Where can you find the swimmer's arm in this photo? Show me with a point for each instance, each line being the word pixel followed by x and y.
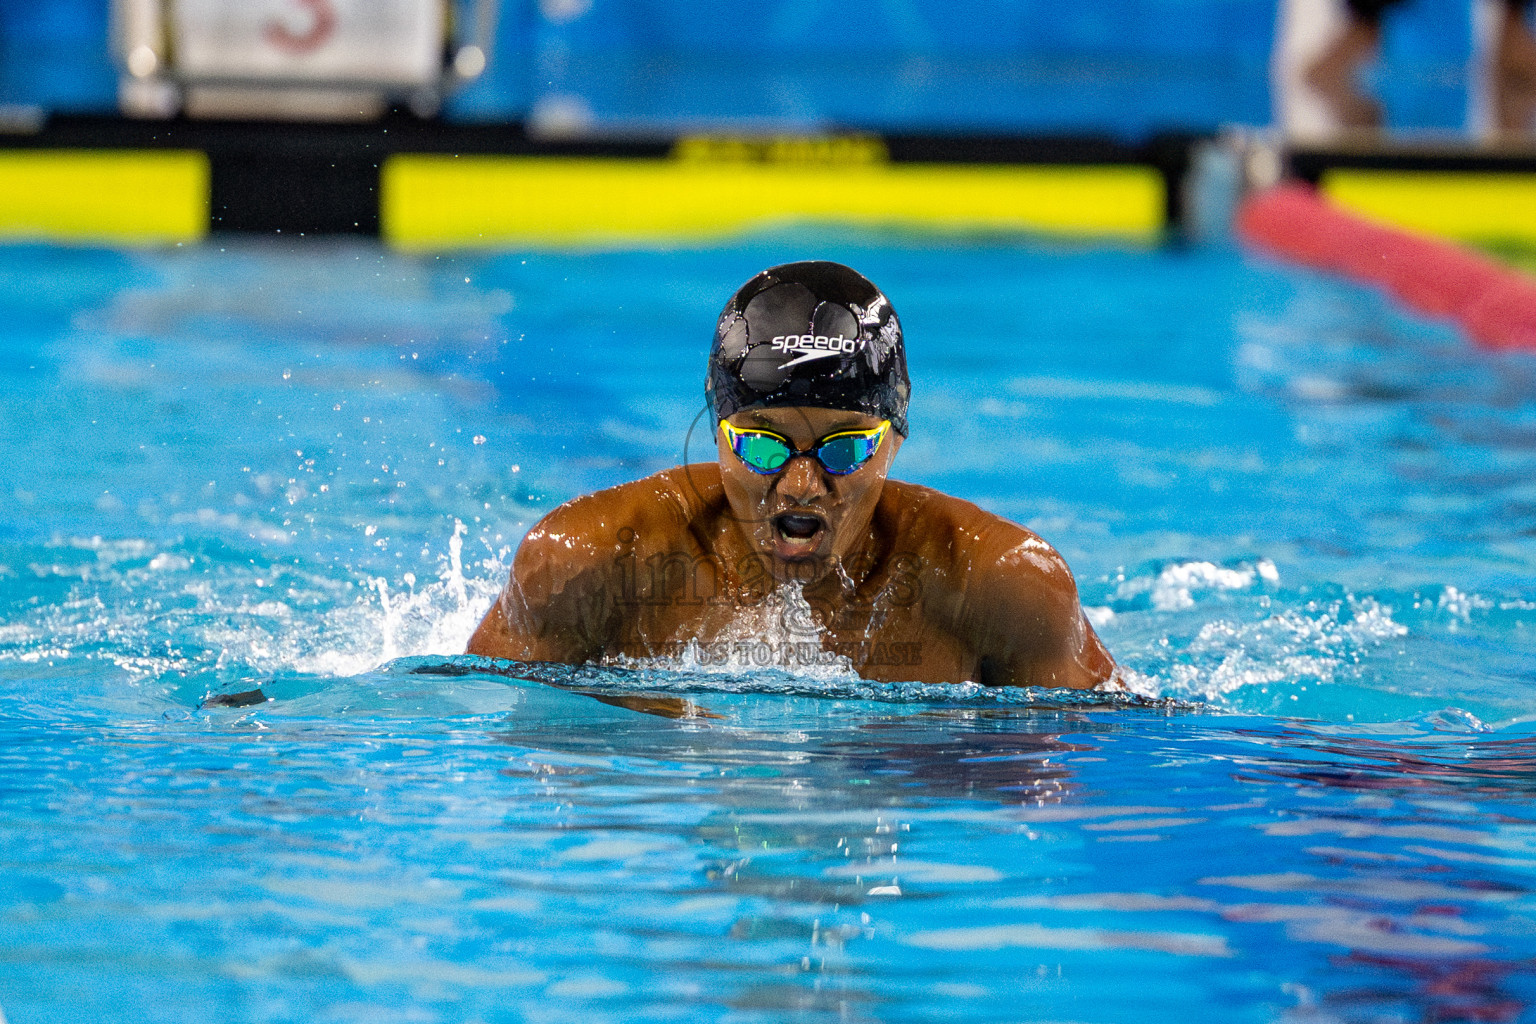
pixel 1029 623
pixel 555 607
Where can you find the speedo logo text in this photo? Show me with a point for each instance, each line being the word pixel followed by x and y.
pixel 815 346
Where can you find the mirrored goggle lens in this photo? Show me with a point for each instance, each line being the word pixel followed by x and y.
pixel 842 455
pixel 761 452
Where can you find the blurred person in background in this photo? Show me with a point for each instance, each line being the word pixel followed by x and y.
pixel 1335 71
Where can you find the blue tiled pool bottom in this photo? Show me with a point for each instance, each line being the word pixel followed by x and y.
pixel 1301 520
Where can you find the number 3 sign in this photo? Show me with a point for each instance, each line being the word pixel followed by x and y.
pixel 333 42
pixel 322 24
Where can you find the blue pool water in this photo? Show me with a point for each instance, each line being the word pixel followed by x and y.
pixel 1302 520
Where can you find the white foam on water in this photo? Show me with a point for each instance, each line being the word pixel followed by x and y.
pixel 1319 644
pixel 1460 606
pixel 1138 684
pixel 1099 616
pixel 1175 586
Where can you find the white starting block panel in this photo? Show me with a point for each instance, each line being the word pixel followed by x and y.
pixel 304 42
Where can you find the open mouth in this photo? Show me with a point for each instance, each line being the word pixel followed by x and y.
pixel 798 527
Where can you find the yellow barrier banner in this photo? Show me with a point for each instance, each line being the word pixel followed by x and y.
pixel 444 201
pixel 134 197
pixel 1463 205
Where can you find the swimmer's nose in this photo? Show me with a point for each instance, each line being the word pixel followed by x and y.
pixel 801 481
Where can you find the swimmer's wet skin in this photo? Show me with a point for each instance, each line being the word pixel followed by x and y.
pixel 808 390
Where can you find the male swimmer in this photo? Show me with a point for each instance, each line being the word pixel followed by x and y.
pixel 807 389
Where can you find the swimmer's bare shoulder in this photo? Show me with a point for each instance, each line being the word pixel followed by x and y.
pixel 1002 589
pixel 560 602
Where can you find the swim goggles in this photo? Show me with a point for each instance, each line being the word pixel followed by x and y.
pixel 839 454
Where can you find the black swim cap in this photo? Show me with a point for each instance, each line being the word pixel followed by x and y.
pixel 815 334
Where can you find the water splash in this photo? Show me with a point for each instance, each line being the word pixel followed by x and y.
pixel 781 632
pixel 175 613
pixel 1460 606
pixel 391 620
